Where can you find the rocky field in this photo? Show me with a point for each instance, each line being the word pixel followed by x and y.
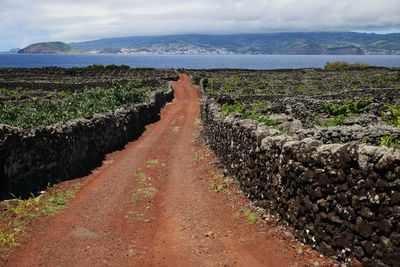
pixel 44 96
pixel 320 149
pixel 331 106
pixel 57 124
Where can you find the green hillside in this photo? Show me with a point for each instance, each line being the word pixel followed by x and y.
pixel 49 48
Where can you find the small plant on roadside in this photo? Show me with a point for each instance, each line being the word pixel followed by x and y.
pixel 15 217
pixel 251 217
pixel 56 202
pixel 219 184
pixel 8 239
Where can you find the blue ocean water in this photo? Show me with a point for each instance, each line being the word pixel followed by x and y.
pixel 192 61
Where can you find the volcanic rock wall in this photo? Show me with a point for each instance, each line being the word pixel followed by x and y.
pixel 344 199
pixel 35 157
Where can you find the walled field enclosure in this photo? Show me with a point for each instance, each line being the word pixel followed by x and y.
pixel 59 123
pixel 319 148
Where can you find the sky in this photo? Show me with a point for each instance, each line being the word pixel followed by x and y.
pixel 23 22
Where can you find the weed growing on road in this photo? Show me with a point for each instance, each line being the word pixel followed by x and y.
pixel 152 162
pixel 142 176
pixel 146 192
pixel 56 202
pixel 149 192
pixel 251 217
pixel 137 216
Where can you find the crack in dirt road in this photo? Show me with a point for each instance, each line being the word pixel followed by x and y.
pixel 151 205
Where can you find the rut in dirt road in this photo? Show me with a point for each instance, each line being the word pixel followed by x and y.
pixel 149 205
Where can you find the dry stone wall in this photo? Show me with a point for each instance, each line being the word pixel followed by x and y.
pixel 344 199
pixel 32 158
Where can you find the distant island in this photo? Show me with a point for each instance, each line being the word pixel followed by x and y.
pixel 49 48
pixel 310 43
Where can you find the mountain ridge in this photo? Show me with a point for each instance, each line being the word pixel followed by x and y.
pixel 336 43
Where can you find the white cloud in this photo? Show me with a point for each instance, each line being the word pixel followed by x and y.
pixel 75 20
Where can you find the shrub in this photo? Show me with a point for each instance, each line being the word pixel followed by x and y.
pixel 393 118
pixel 388 141
pixel 238 107
pixel 349 108
pixel 337 65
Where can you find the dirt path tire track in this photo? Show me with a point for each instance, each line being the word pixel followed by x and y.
pixel 103 226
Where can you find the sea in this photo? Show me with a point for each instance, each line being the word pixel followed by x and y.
pixel 192 61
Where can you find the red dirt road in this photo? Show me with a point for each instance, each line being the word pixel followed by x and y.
pixel 151 204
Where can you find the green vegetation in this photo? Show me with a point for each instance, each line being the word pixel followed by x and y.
pixel 56 202
pixel 344 65
pixel 349 108
pixel 226 85
pixel 109 66
pixel 137 216
pixel 14 218
pixel 340 112
pixel 16 93
pixel 219 184
pixel 152 162
pixel 251 217
pixel 49 47
pixel 142 176
pixel 240 108
pixel 336 121
pixel 148 190
pixel 38 112
pixel 394 117
pixel 388 141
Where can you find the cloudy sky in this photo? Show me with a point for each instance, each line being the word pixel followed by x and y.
pixel 23 22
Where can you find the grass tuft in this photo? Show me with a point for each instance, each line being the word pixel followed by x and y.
pixel 251 217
